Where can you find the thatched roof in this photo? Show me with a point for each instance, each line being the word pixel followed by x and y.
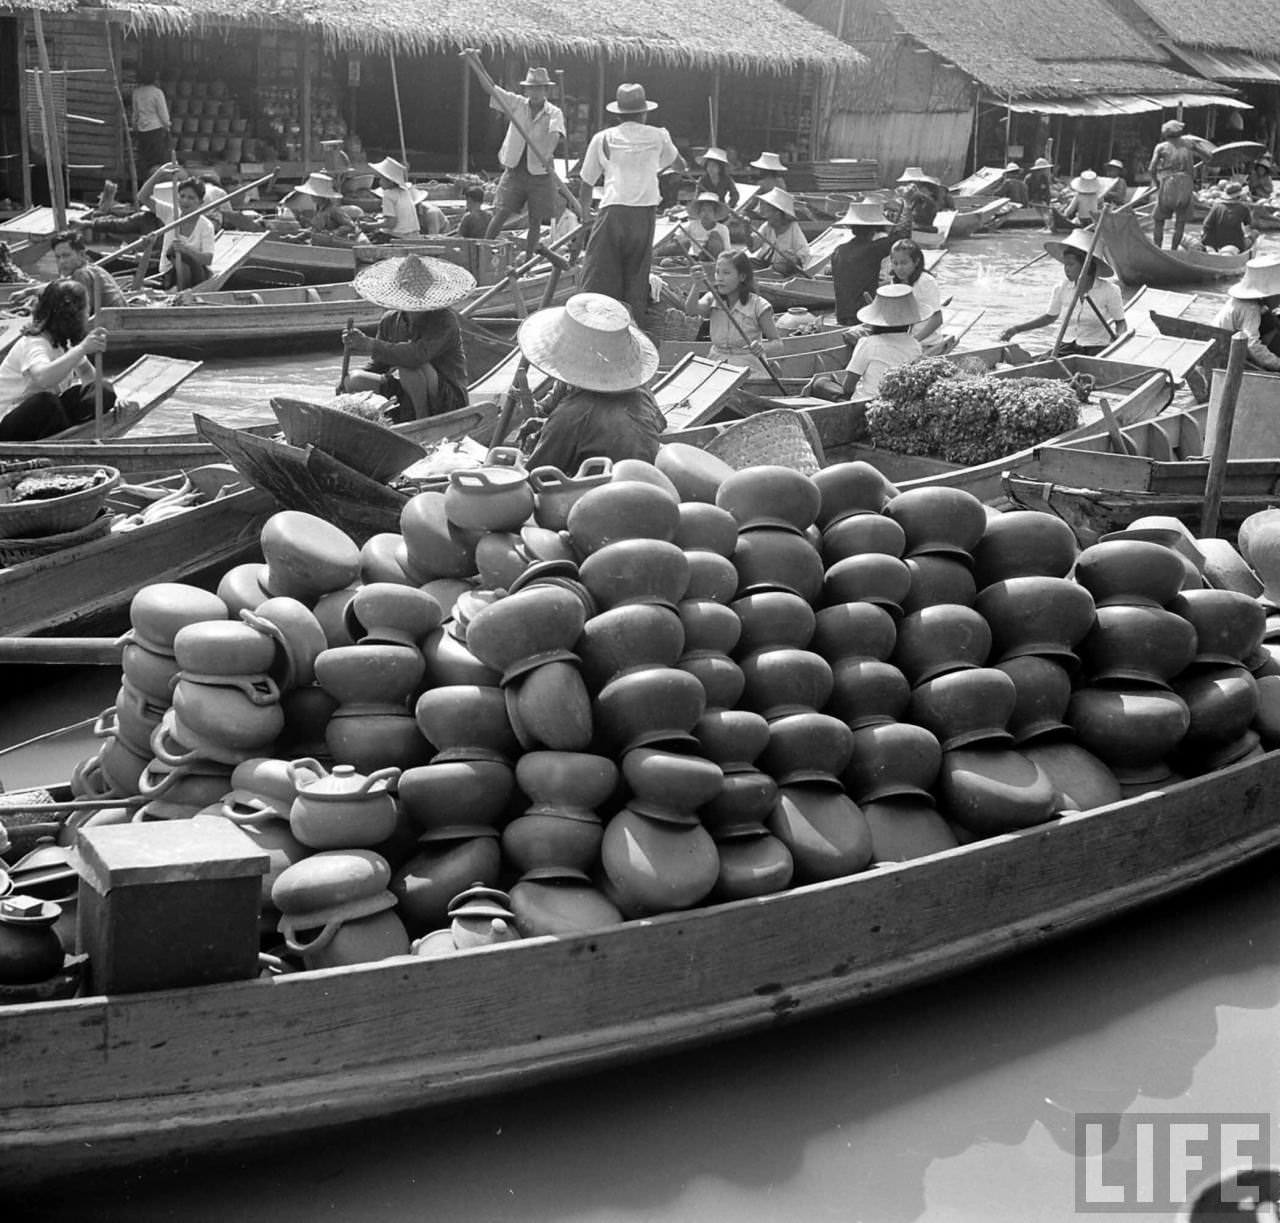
pixel 1237 25
pixel 1041 48
pixel 752 35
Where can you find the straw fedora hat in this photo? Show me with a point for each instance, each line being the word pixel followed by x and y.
pixel 1086 183
pixel 589 342
pixel 319 185
pixel 714 154
pixel 630 100
pixel 771 163
pixel 536 76
pixel 894 306
pixel 1261 279
pixel 1172 127
pixel 914 174
pixel 1114 162
pixel 709 197
pixel 1234 188
pixel 1042 163
pixel 393 170
pixel 1012 168
pixel 1078 240
pixel 782 200
pixel 863 216
pixel 414 283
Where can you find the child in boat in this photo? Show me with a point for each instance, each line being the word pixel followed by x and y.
pixel 715 177
pixel 399 199
pixel 888 344
pixel 782 246
pixel 735 299
pixel 906 267
pixel 1082 211
pixel 1226 226
pixel 187 251
pixel 1250 307
pixel 417 357
pixel 1118 192
pixel 706 236
pixel 1098 317
pixel 475 221
pixel 47 377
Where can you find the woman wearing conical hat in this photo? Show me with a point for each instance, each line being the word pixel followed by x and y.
pixel 1086 189
pixel 1250 307
pixel 888 321
pixel 399 199
pixel 416 359
pixel 323 200
pixel 716 177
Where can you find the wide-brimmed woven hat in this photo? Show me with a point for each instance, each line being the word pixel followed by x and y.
pixel 589 342
pixel 1012 167
pixel 1086 183
pixel 714 154
pixel 536 76
pixel 319 185
pixel 630 100
pixel 863 216
pixel 1078 240
pixel 1172 127
pixel 393 170
pixel 782 200
pixel 894 306
pixel 709 197
pixel 1234 188
pixel 1261 279
pixel 771 163
pixel 1042 163
pixel 914 174
pixel 1116 162
pixel 414 283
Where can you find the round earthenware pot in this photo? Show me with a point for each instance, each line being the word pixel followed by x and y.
pixel 298 635
pixel 379 559
pixel 903 828
pixel 706 528
pixel 555 493
pixel 383 613
pixel 757 865
pixel 891 760
pixel 236 713
pixel 549 707
pixel 629 638
pixel 861 533
pixel 938 579
pixel 559 902
pixel 500 560
pixel 1044 616
pixel 668 786
pixel 160 609
pixel 709 627
pixel 1043 693
pixel 659 705
pixel 307 556
pixel 30 950
pixel 269 830
pixel 786 681
pixel 966 708
pixel 525 630
pixel 654 865
pixel 466 722
pixel 938 519
pixel 241 588
pixel 773 619
pixel 458 796
pixel 636 571
pixel 1131 729
pixel 1222 701
pixel 740 809
pixel 824 830
pixel 1259 543
pixel 367 674
pixel 307 711
pixel 1267 720
pixel 696 473
pixel 637 471
pixel 1134 572
pixel 330 612
pixel 371 737
pixel 711 576
pixel 123 765
pixel 854 630
pixel 1229 625
pixel 223 647
pixel 851 488
pixel 1023 544
pixel 446 866
pixel 189 785
pixel 549 839
pixel 433 546
pixel 991 790
pixel 151 673
pixel 770 496
pixel 721 678
pixel 1137 644
pixel 937 640
pixel 132 718
pixel 566 783
pixel 773 559
pixel 1081 780
pixel 347 940
pixel 335 881
pixel 733 738
pixel 448 663
pixel 622 509
pixel 342 808
pixel 870 577
pixel 866 691
pixel 488 498
pixel 806 747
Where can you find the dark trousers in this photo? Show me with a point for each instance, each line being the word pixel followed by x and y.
pixel 154 149
pixel 618 255
pixel 46 413
pixel 135 223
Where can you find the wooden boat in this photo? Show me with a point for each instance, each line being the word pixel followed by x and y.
pixel 970 220
pixel 1138 261
pixel 317 264
pixel 100 1082
pixel 87 584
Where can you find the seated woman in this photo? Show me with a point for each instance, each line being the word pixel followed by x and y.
pixel 187 252
pixel 599 406
pixel 703 234
pixel 327 221
pixel 736 301
pixel 47 378
pixel 417 358
pixel 1226 227
pixel 1082 210
pixel 890 343
pixel 906 267
pixel 716 177
pixel 783 249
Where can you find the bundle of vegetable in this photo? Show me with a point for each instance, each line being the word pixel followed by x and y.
pixel 931 408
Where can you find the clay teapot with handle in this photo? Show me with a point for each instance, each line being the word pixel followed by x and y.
pixel 341 809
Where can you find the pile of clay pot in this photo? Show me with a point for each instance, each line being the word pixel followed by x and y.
pixel 549 704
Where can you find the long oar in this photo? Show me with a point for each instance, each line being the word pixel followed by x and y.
pixel 98 377
pixel 1078 287
pixel 346 360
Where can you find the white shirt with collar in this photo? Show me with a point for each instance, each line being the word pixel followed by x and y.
pixel 629 157
pixel 546 128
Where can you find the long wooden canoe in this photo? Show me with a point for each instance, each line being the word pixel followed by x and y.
pixel 107 1081
pixel 1138 261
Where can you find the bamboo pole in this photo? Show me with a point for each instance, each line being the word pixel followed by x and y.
pixel 1079 285
pixel 131 164
pixel 395 92
pixel 464 122
pixel 304 71
pixel 48 126
pixel 97 373
pixel 599 123
pixel 1217 477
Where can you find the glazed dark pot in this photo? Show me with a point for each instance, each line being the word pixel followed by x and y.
pixel 629 638
pixel 733 738
pixel 460 797
pixel 938 579
pixel 566 783
pixel 706 528
pixel 1043 693
pixel 770 497
pixel 937 519
pixel 743 804
pixel 696 473
pixel 966 708
pixel 759 865
pixel 636 571
pixel 1135 572
pixel 824 830
pixel 375 740
pixel 721 678
pixel 709 626
pixel 382 612
pixel 466 722
pixel 892 760
pixel 1137 644
pixel 668 786
pixel 549 707
pixel 937 640
pixel 1081 780
pixel 560 902
pixel 1223 702
pixel 1131 730
pixel 773 559
pixel 424 886
pixel 903 828
pixel 854 630
pixel 622 509
pixel 865 692
pixel 871 577
pixel 806 747
pixel 449 662
pixel 1023 544
pixel 851 488
pixel 711 576
pixel 992 790
pixel 773 619
pixel 526 630
pixel 659 705
pixel 1229 626
pixel 860 533
pixel 364 674
pixel 781 682
pixel 655 865
pixel 1043 616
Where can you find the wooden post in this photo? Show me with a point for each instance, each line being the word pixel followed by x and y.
pixel 599 123
pixel 130 164
pixel 395 91
pixel 972 167
pixel 464 122
pixel 1216 479
pixel 304 69
pixel 1008 127
pixel 24 137
pixel 48 127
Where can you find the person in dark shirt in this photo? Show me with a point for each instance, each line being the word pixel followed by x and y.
pixel 856 264
pixel 416 358
pixel 1039 182
pixel 716 177
pixel 600 406
pixel 1011 187
pixel 475 221
pixel 1227 223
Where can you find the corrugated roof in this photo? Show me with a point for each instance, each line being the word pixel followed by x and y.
pixel 1104 105
pixel 1230 65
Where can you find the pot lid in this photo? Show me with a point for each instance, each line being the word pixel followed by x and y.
pixel 343 782
pixel 19 910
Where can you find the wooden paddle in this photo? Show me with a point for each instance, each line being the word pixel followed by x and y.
pixel 98 377
pixel 1215 481
pixel 1119 442
pixel 346 359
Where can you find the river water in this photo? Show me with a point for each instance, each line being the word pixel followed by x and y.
pixel 952 1104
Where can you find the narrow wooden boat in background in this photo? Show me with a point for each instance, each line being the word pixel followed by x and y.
pixel 1138 261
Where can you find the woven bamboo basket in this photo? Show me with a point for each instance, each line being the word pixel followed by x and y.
pixel 781 437
pixel 371 448
pixel 674 325
pixel 35 519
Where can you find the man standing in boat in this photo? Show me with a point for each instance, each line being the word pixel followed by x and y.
pixel 1172 169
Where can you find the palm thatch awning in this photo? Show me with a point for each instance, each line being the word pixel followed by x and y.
pixel 1241 25
pixel 741 35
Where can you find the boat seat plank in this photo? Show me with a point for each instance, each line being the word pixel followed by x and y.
pixel 1178 356
pixel 230 249
pixel 147 383
pixel 695 390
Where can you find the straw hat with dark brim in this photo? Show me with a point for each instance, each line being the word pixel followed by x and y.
pixel 1012 168
pixel 589 342
pixel 709 197
pixel 782 200
pixel 714 154
pixel 1086 183
pixel 414 283
pixel 1261 279
pixel 320 186
pixel 914 174
pixel 1114 163
pixel 894 306
pixel 392 170
pixel 863 216
pixel 1042 163
pixel 770 163
pixel 630 100
pixel 1078 240
pixel 536 76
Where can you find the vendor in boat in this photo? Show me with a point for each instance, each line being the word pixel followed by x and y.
pixel 1117 193
pixel 1086 189
pixel 1172 169
pixel 856 265
pixel 599 406
pixel 716 179
pixel 781 247
pixel 1039 182
pixel 1098 317
pixel 906 267
pixel 72 258
pixel 157 189
pixel 887 345
pixel 703 235
pixel 399 199
pixel 1011 186
pixel 328 219
pixel 475 220
pixel 47 381
pixel 922 197
pixel 771 173
pixel 187 251
pixel 1250 307
pixel 1228 222
pixel 416 358
pixel 1260 184
pixel 735 300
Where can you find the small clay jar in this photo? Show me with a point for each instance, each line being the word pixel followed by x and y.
pixel 937 640
pixel 941 520
pixel 636 571
pixel 30 950
pixel 774 559
pixel 433 547
pixel 823 829
pixel 806 747
pixel 1081 780
pixel 160 609
pixel 938 579
pixel 891 760
pixel 866 692
pixel 904 828
pixel 849 489
pixel 382 613
pixel 466 722
pixel 659 705
pixel 1043 616
pixel 966 708
pixel 653 864
pixel 448 663
pixel 236 713
pixel 991 790
pixel 773 619
pixel 549 707
pixel 860 533
pixel 555 493
pixel 222 648
pixel 341 809
pixel 241 588
pixel 379 559
pixel 630 638
pixel 457 796
pixel 307 556
pixel 711 576
pixel 1134 572
pixel 150 672
pixel 695 473
pixel 871 577
pixel 558 901
pixel 299 636
pixel 622 509
pixel 526 630
pixel 372 737
pixel 767 496
pixel 1023 544
pixel 381 674
pixel 1222 702
pixel 445 866
pixel 1043 693
pixel 758 865
pixel 854 630
pixel 489 498
pixel 1137 643
pixel 1131 730
pixel 1229 626
pixel 706 528
pixel 785 681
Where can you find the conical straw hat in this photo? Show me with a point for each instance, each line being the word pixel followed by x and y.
pixel 391 169
pixel 1079 240
pixel 782 200
pixel 319 185
pixel 589 342
pixel 414 283
pixel 709 197
pixel 914 174
pixel 1261 279
pixel 769 162
pixel 894 306
pixel 1087 183
pixel 715 154
pixel 864 216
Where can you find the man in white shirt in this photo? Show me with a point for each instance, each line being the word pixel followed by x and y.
pixel 151 122
pixel 628 158
pixel 1250 307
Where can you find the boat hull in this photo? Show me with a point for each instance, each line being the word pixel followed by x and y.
pixel 1138 261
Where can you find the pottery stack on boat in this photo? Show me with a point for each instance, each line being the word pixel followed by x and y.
pixel 478 917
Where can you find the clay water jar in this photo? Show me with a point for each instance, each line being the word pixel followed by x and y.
pixel 1137 644
pixel 458 797
pixel 937 519
pixel 709 628
pixel 559 902
pixel 370 737
pixel 560 826
pixel 938 579
pixel 636 571
pixel 806 747
pixel 991 790
pixel 466 722
pixel 151 673
pixel 379 559
pixel 488 498
pixel 1081 780
pixel 307 556
pixel 299 638
pixel 383 613
pixel 160 609
pixel 449 663
pixel 854 630
pixel 48 873
pixel 721 678
pixel 193 785
pixel 904 828
pixel 555 493
pixel 237 713
pixel 773 619
pixel 1133 572
pixel 1043 694
pixel 500 560
pixel 30 950
pixel 773 559
pixel 891 760
pixel 622 509
pixel 657 705
pixel 123 765
pixel 781 682
pixel 1222 702
pixel 630 638
pixel 341 809
pixel 1023 544
pixel 696 473
pixel 941 639
pixel 1267 720
pixel 860 533
pixel 871 577
pixel 330 612
pixel 1131 730
pixel 549 707
pixel 656 865
pixel 732 738
pixel 241 588
pixel 758 865
pixel 823 829
pixel 711 576
pixel 1229 626
pixel 133 718
pixel 770 496
pixel 740 809
pixel 668 786
pixel 446 866
pixel 966 709
pixel 638 471
pixel 526 630
pixel 850 488
pixel 222 648
pixel 433 547
pixel 1043 616
pixel 865 692
pixel 174 743
pixel 383 675
pixel 702 527
pixel 1260 533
